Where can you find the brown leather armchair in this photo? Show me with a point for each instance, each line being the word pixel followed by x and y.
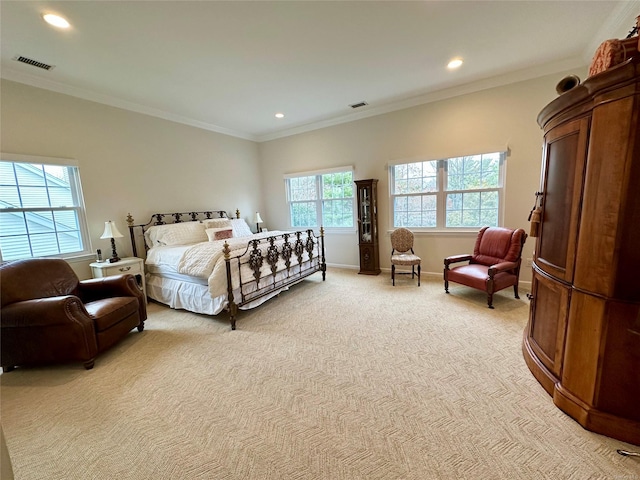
pixel 49 316
pixel 494 264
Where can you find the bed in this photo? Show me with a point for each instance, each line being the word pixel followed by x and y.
pixel 207 262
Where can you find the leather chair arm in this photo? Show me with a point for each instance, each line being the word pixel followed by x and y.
pixel 457 258
pixel 45 312
pixel 501 267
pixel 124 285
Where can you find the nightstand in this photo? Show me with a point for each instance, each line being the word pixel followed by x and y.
pixel 132 265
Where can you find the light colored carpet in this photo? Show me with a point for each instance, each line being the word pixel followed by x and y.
pixel 367 381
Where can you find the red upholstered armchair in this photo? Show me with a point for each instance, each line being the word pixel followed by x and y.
pixel 494 264
pixel 49 316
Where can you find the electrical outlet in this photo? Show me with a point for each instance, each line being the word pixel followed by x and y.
pixel 528 262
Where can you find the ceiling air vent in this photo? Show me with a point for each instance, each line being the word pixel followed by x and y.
pixel 358 105
pixel 34 63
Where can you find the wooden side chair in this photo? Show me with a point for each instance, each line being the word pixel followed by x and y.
pixel 402 253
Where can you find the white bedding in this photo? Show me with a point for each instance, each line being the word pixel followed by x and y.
pixel 182 294
pixel 204 262
pixel 166 258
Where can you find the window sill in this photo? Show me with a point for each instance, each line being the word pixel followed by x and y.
pixel 81 258
pixel 442 233
pixel 340 231
pixel 327 230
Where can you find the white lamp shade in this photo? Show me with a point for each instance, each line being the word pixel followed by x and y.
pixel 110 230
pixel 258 218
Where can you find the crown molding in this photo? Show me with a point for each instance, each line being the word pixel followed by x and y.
pixel 34 81
pixel 616 25
pixel 370 111
pixel 471 87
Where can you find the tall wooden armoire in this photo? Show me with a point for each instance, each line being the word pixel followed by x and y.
pixel 582 341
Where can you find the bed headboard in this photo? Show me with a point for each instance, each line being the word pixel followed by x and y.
pixel 167 218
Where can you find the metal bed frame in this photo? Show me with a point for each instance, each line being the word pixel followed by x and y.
pixel 302 253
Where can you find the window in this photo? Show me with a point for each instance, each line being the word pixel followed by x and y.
pixel 321 198
pixel 460 192
pixel 41 211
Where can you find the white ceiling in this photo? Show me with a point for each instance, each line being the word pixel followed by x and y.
pixel 230 66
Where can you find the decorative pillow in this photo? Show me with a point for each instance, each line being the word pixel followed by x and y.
pixel 240 227
pixel 183 233
pixel 219 233
pixel 217 223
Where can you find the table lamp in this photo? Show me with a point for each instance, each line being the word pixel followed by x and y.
pixel 258 221
pixel 111 231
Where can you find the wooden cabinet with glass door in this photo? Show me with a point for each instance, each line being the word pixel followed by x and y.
pixel 367 195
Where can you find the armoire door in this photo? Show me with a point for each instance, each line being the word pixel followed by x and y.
pixel 563 171
pixel 548 321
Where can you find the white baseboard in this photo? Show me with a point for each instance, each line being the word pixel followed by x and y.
pixel 523 284
pixel 346 267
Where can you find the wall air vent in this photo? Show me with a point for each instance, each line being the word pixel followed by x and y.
pixel 358 105
pixel 34 63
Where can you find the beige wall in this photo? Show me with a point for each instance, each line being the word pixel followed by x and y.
pixel 130 162
pixel 466 124
pixel 140 164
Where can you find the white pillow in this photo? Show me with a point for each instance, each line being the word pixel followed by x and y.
pixel 182 233
pixel 217 223
pixel 219 233
pixel 240 227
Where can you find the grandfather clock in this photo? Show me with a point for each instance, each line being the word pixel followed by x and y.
pixel 367 195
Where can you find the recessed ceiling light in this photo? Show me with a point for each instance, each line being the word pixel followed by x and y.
pixel 279 115
pixel 55 20
pixel 455 63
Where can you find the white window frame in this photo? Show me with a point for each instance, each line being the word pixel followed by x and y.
pixel 441 191
pixel 319 200
pixel 78 207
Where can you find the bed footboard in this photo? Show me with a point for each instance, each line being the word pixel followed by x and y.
pixel 271 264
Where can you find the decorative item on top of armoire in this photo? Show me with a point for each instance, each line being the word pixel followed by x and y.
pixel 567 83
pixel 613 52
pixel 367 195
pixel 582 341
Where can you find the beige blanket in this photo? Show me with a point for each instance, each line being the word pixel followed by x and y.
pixel 206 260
